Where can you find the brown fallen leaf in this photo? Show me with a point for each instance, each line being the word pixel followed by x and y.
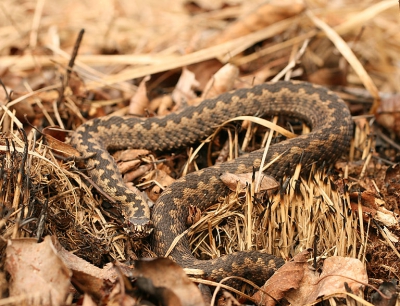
pixel 139 102
pixel 204 71
pixel 128 166
pixel 336 271
pixel 129 154
pixel 183 91
pixel 141 170
pixel 37 271
pixel 166 281
pixel 300 285
pixel 86 277
pixel 222 81
pixel 239 182
pixel 93 281
pixel 287 277
pixel 60 147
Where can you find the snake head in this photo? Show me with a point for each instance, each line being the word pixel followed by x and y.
pixel 138 228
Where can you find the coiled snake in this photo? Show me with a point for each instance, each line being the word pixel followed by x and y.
pixel 326 114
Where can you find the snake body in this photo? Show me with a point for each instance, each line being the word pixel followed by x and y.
pixel 326 114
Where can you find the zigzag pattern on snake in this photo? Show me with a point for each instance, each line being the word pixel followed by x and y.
pixel 326 114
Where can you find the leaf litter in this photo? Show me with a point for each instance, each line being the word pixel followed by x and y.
pixel 349 216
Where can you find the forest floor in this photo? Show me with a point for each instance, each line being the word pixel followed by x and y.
pixel 62 242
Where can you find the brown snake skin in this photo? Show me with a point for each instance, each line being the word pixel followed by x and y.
pixel 326 114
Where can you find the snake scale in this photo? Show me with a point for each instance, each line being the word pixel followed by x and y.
pixel 326 114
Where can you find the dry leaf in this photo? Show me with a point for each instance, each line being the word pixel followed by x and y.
pixel 139 102
pixel 287 277
pixel 336 271
pixel 86 277
pixel 37 271
pixel 184 88
pixel 127 155
pixel 204 71
pixel 128 166
pixel 132 175
pixel 221 82
pixel 60 147
pixel 239 182
pixel 165 280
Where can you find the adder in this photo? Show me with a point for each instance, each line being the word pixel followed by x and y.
pixel 326 114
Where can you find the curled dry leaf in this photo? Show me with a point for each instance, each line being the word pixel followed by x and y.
pixel 239 182
pixel 37 271
pixel 139 102
pixel 221 82
pixel 167 282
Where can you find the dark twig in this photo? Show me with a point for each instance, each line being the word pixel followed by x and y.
pixel 74 53
pixel 64 81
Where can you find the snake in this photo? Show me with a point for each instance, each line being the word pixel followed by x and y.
pixel 322 110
